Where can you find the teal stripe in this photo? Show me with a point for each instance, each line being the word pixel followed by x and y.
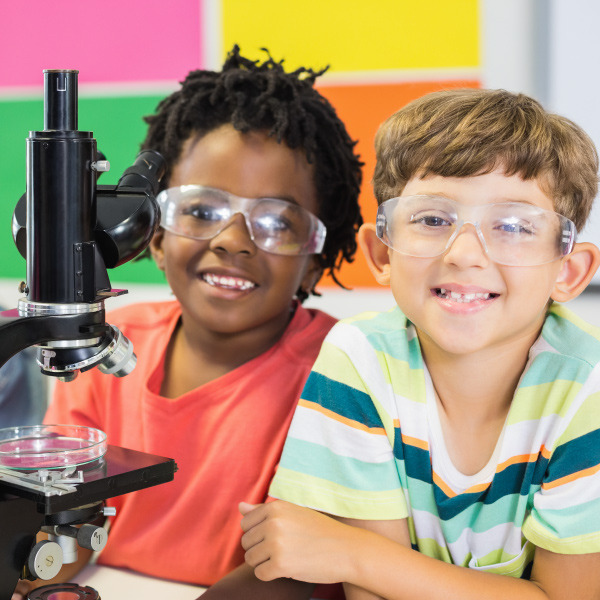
pixel 576 455
pixel 341 399
pixel 548 367
pixel 318 461
pixel 509 509
pixel 387 333
pixel 578 519
pixel 570 339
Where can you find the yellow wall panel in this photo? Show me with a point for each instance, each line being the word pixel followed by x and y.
pixel 356 35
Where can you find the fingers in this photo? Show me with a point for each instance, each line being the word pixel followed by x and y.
pixel 21 591
pixel 252 537
pixel 256 514
pixel 246 507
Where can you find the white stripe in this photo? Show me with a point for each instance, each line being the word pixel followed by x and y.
pixel 312 426
pixel 96 90
pixel 211 32
pixel 353 342
pixel 528 437
pixel 387 76
pixel 572 493
pixel 504 535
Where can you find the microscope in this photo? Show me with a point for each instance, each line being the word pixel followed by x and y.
pixel 70 231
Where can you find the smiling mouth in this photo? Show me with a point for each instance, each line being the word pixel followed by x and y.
pixel 464 298
pixel 227 282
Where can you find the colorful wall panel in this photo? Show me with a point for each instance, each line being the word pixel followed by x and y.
pixel 131 54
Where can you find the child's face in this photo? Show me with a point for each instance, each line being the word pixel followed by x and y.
pixel 485 304
pixel 227 284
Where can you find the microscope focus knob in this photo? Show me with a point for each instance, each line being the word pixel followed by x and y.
pixel 92 537
pixel 45 560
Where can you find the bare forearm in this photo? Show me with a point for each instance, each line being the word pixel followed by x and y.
pixel 395 572
pixel 242 584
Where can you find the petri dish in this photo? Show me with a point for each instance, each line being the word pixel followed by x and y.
pixel 50 446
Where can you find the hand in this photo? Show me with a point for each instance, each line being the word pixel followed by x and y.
pixel 23 588
pixel 285 540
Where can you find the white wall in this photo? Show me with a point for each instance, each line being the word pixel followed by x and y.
pixel 337 302
pixel 573 82
pixel 550 50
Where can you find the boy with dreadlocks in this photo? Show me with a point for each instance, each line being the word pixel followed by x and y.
pixel 260 197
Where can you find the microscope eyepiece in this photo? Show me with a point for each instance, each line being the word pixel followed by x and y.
pixel 60 100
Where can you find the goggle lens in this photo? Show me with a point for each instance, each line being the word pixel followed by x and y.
pixel 511 233
pixel 275 225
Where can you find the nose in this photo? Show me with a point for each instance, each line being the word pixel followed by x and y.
pixel 234 238
pixel 467 248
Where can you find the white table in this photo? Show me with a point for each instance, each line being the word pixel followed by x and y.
pixel 120 584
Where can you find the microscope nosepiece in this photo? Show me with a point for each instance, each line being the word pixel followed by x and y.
pixel 121 360
pixel 112 354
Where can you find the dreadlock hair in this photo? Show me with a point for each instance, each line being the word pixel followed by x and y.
pixel 254 96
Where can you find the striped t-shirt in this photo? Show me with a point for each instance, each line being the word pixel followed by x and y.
pixel 366 443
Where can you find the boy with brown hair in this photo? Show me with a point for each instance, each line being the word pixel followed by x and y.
pixel 455 438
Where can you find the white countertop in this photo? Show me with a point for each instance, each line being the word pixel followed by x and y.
pixel 120 584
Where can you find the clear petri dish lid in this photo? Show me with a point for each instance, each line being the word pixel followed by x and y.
pixel 50 446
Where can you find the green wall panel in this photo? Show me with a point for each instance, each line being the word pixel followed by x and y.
pixel 117 125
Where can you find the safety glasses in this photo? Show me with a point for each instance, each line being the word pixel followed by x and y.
pixel 511 233
pixel 275 225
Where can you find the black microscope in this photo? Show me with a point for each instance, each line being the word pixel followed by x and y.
pixel 70 230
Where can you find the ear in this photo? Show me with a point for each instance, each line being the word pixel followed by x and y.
pixel 311 276
pixel 576 272
pixel 156 248
pixel 376 253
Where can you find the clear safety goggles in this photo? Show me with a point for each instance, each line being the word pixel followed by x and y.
pixel 511 233
pixel 274 225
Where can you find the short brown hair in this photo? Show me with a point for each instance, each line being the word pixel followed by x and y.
pixel 466 132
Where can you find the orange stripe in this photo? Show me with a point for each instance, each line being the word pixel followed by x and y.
pixel 476 489
pixel 344 420
pixel 522 458
pixel 442 485
pixel 573 477
pixel 413 441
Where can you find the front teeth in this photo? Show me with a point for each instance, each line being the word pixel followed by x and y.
pixel 456 297
pixel 232 283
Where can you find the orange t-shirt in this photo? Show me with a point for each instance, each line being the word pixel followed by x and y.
pixel 225 436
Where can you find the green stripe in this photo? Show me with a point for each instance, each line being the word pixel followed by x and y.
pixel 541 536
pixel 571 335
pixel 431 548
pixel 536 401
pixel 495 562
pixel 406 381
pixel 584 422
pixel 335 499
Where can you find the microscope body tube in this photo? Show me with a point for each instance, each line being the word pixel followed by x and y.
pixel 61 209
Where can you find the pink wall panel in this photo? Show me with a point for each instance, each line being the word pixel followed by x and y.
pixel 107 41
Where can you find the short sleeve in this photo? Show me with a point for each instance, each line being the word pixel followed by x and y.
pixel 565 516
pixel 338 457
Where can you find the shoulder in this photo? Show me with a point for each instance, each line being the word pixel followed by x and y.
pixel 568 335
pixel 387 332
